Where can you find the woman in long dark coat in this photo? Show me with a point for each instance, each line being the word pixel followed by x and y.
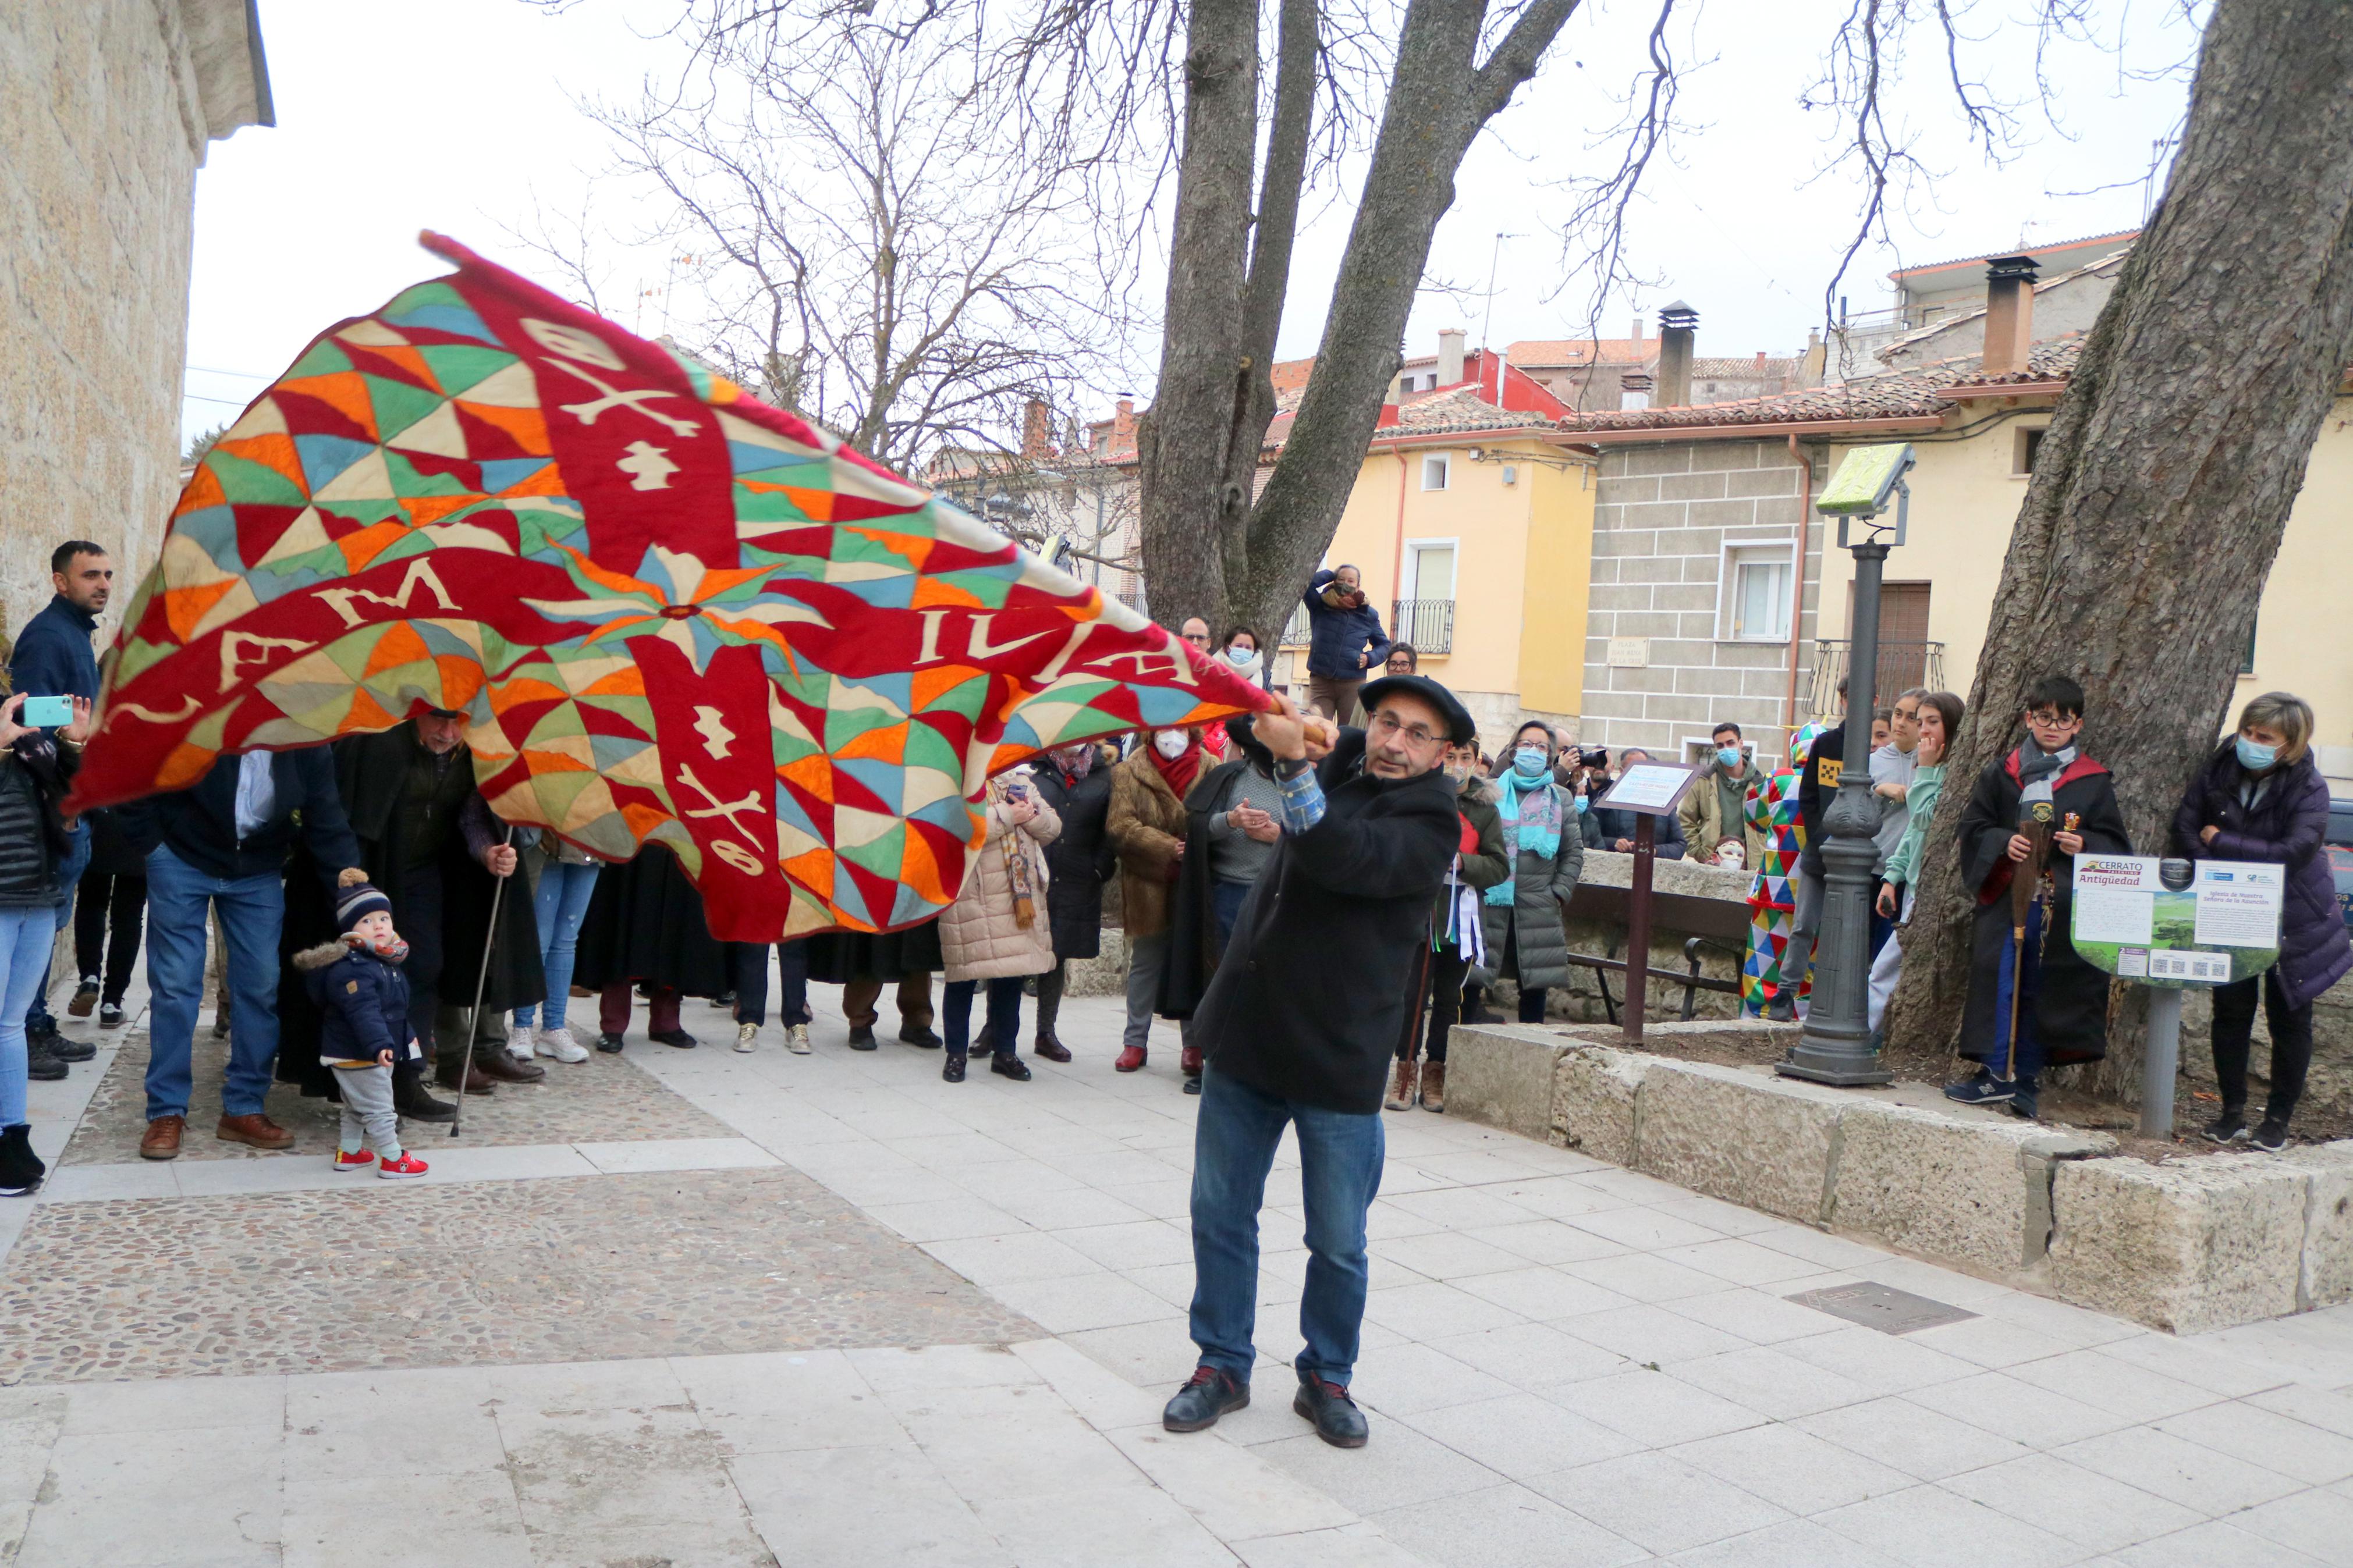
pixel 645 923
pixel 2262 798
pixel 1077 863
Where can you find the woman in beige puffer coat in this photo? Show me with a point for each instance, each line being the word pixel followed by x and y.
pixel 997 931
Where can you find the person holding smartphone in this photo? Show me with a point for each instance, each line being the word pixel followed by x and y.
pixel 35 767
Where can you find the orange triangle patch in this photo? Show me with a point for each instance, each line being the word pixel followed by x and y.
pixel 627 681
pixel 187 765
pixel 887 744
pixel 920 869
pixel 528 426
pixel 342 391
pixel 184 608
pixel 933 591
pixel 930 684
pixel 460 679
pixel 369 542
pixel 274 451
pixel 643 819
pixel 203 490
pixel 426 510
pixel 813 871
pixel 513 693
pixel 399 644
pixel 554 763
pixel 366 716
pixel 813 773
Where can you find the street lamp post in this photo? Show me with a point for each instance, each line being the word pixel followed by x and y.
pixel 1836 1048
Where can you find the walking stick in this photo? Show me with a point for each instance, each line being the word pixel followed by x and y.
pixel 481 977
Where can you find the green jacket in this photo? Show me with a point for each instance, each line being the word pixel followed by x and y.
pixel 1701 816
pixel 1904 866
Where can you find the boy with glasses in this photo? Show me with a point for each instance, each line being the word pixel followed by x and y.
pixel 2058 1002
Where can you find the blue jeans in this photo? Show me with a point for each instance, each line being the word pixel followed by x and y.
pixel 750 972
pixel 25 938
pixel 36 1012
pixel 252 914
pixel 560 904
pixel 1004 1015
pixel 1234 1139
pixel 1226 906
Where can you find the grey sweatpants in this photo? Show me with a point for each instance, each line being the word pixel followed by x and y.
pixel 368 1119
pixel 1146 957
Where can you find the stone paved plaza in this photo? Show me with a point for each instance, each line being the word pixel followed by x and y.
pixel 692 1308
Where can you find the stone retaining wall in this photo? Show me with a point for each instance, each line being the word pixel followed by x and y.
pixel 2197 1243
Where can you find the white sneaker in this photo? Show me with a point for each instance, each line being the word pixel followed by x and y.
pixel 559 1044
pixel 519 1042
pixel 747 1035
pixel 796 1039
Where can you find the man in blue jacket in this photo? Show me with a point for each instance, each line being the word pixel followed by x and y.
pixel 1344 641
pixel 54 658
pixel 224 843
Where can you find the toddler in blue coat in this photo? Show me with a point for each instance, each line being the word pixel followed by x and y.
pixel 363 1001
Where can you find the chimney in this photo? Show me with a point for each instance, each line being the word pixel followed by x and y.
pixel 1634 389
pixel 1036 438
pixel 1637 327
pixel 2010 314
pixel 1678 325
pixel 1812 368
pixel 1123 428
pixel 1449 357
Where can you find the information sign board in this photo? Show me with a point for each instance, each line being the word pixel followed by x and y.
pixel 2177 923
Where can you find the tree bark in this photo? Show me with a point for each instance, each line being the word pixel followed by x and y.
pixel 1211 548
pixel 2162 488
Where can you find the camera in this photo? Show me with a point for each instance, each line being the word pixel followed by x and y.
pixel 1593 756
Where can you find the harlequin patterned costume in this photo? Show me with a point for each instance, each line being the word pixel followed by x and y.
pixel 1771 808
pixel 667 611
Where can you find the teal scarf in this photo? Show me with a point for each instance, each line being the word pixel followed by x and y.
pixel 1531 812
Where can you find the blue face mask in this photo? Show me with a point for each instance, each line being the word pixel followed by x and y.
pixel 1729 756
pixel 1528 762
pixel 2255 756
pixel 1582 803
pixel 1240 656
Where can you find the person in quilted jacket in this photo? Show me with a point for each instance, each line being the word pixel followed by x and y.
pixel 998 930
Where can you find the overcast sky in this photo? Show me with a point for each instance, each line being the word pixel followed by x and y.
pixel 397 115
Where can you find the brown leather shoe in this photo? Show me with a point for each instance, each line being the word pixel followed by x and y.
pixel 1401 1086
pixel 1048 1048
pixel 256 1130
pixel 501 1065
pixel 1433 1086
pixel 162 1139
pixel 446 1072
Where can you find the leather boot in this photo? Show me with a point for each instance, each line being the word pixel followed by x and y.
pixel 1401 1086
pixel 1433 1086
pixel 449 1068
pixel 410 1100
pixel 495 1062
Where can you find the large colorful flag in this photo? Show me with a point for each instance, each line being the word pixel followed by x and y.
pixel 668 611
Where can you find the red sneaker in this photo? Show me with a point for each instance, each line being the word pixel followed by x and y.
pixel 353 1159
pixel 1130 1060
pixel 408 1166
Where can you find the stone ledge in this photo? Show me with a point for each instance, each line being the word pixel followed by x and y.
pixel 2189 1245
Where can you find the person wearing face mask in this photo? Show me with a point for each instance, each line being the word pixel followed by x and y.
pixel 1344 641
pixel 1233 821
pixel 1713 808
pixel 1078 863
pixel 1543 847
pixel 1458 933
pixel 2260 797
pixel 1146 825
pixel 1606 828
pixel 1239 648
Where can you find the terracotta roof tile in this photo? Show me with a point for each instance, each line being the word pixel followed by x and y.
pixel 1554 353
pixel 1463 409
pixel 1901 394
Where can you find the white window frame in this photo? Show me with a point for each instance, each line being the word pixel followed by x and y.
pixel 1726 566
pixel 1445 461
pixel 1413 564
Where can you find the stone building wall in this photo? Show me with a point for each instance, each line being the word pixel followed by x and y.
pixel 1662 517
pixel 106 107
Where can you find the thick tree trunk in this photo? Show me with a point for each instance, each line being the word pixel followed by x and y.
pixel 1208 547
pixel 2161 491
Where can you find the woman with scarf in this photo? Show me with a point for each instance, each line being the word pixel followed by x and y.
pixel 2260 797
pixel 1940 720
pixel 1458 933
pixel 1078 862
pixel 1526 929
pixel 1240 651
pixel 1770 815
pixel 998 930
pixel 1146 825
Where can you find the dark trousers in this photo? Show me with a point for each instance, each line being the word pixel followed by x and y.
pixel 750 973
pixel 107 905
pixel 1448 965
pixel 612 1008
pixel 858 997
pixel 1050 997
pixel 1004 1015
pixel 2234 1023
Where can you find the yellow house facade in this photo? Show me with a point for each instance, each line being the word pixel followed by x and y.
pixel 1473 529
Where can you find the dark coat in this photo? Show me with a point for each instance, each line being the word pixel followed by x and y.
pixel 1603 828
pixel 1334 637
pixel 34 776
pixel 1309 1000
pixel 199 824
pixel 110 854
pixel 645 922
pixel 372 771
pixel 1816 789
pixel 362 1003
pixel 1535 925
pixel 2287 827
pixel 2071 1004
pixel 839 957
pixel 1192 916
pixel 1482 866
pixel 1080 859
pixel 53 656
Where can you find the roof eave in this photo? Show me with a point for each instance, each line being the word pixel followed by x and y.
pixel 1899 424
pixel 2006 389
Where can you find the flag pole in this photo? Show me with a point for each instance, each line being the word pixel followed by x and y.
pixel 481 977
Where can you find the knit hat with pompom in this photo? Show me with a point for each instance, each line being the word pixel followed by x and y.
pixel 356 898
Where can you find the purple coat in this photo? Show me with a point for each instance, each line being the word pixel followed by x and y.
pixel 2284 827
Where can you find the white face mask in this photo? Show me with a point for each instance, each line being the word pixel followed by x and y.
pixel 1170 744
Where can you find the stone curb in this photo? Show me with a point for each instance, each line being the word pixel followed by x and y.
pixel 2187 1246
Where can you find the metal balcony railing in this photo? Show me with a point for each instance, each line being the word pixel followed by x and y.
pixel 1295 630
pixel 1427 623
pixel 1901 665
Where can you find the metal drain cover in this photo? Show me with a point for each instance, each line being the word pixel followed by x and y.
pixel 1880 1307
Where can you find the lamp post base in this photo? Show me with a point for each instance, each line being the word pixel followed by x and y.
pixel 1842 1069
